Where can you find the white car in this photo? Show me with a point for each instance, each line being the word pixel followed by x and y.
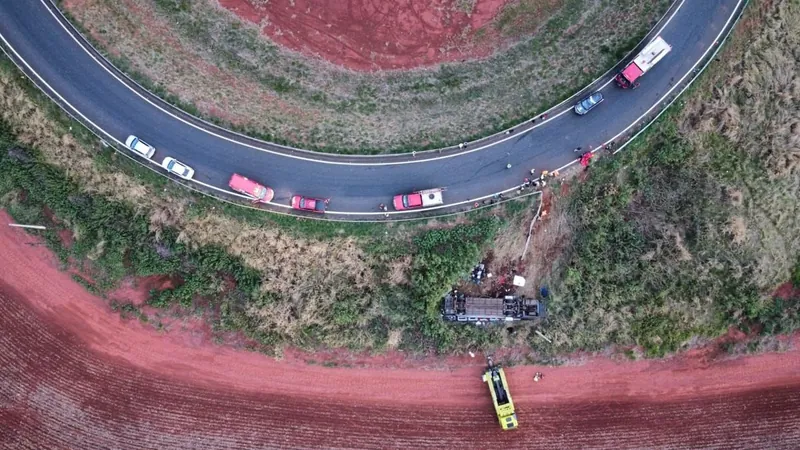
pixel 178 168
pixel 140 147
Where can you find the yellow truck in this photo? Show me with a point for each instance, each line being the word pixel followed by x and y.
pixel 495 378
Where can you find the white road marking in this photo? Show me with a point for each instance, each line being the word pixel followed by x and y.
pixel 308 159
pixel 716 44
pixel 296 157
pixel 121 144
pixel 660 30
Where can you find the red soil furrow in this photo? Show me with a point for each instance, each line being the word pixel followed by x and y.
pixel 75 375
pixel 375 35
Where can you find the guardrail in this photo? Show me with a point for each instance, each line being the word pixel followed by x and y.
pixel 483 202
pixel 492 139
pixel 243 201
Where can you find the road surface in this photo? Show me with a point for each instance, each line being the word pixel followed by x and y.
pixel 64 66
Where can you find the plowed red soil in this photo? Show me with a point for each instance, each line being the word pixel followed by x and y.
pixel 787 291
pixel 374 34
pixel 73 374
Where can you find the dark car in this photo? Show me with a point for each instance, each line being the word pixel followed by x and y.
pixel 588 103
pixel 317 205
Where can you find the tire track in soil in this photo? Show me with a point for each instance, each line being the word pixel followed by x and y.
pixel 75 375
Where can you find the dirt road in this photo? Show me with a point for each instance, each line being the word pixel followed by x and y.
pixel 75 375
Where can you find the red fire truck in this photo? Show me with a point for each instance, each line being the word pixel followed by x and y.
pixel 654 52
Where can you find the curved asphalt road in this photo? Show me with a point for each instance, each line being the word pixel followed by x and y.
pixel 60 64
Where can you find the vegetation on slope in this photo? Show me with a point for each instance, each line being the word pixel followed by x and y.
pixel 684 234
pixel 691 229
pixel 110 240
pixel 280 279
pixel 211 63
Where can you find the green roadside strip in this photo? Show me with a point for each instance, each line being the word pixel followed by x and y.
pixel 448 81
pixel 113 242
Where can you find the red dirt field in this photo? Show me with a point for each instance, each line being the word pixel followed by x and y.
pixel 787 291
pixel 374 34
pixel 73 374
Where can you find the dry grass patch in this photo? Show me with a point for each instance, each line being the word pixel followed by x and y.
pixel 757 104
pixel 398 270
pixel 304 277
pixel 549 241
pixel 61 149
pixel 210 58
pixel 754 104
pixel 737 228
pixel 688 232
pixel 293 266
pixel 395 338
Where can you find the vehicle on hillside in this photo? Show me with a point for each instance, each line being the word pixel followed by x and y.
pixel 458 307
pixel 419 199
pixel 140 147
pixel 316 205
pixel 495 378
pixel 259 193
pixel 652 53
pixel 589 103
pixel 178 168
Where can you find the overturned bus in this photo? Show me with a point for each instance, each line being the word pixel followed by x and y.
pixel 458 307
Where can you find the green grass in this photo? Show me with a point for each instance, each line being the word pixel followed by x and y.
pixel 348 112
pixel 652 263
pixel 113 238
pixel 114 242
pixel 655 259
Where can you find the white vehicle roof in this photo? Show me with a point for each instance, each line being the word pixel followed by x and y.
pixel 139 146
pixel 431 197
pixel 179 168
pixel 652 54
pixel 177 165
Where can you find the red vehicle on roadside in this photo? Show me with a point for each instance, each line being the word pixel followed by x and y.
pixel 316 205
pixel 246 186
pixel 419 199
